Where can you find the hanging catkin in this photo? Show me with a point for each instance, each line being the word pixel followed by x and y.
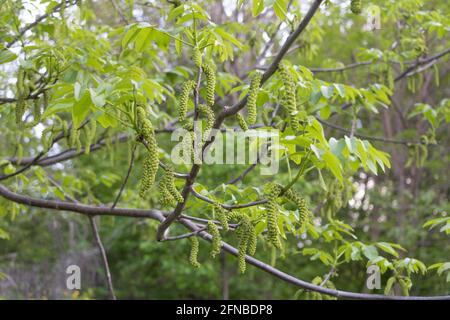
pixel 165 198
pixel 210 117
pixel 194 252
pixel 242 122
pixel 197 57
pixel 210 72
pixel 247 238
pixel 74 138
pixel 151 161
pixel 251 98
pixel 89 131
pixel 289 95
pixel 304 213
pixel 169 183
pixel 22 92
pixel 216 240
pixel 221 215
pixel 272 214
pixel 186 88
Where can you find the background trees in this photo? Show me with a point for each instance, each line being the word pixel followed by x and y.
pixel 72 72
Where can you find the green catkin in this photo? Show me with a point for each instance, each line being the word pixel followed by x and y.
pixel 19 155
pixel 165 197
pixel 22 92
pixel 47 138
pixel 266 116
pixel 210 72
pixel 74 138
pixel 244 232
pixel 221 215
pixel 36 111
pixel 169 183
pixel 197 57
pixel 186 88
pixel 272 215
pixel 251 98
pixel 188 148
pixel 355 6
pixel 194 252
pixel 289 95
pixel 216 240
pixel 210 118
pixel 304 213
pixel 252 242
pixel 241 254
pixel 242 122
pixel 89 130
pixel 151 161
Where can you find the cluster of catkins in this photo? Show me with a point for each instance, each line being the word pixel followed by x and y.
pixel 274 191
pixel 23 90
pixel 312 295
pixel 151 161
pixel 338 196
pixel 169 194
pixel 356 6
pixel 189 86
pixel 251 103
pixel 245 232
pixel 289 95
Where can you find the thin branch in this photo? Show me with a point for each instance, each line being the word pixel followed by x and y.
pixel 125 180
pixel 159 216
pixel 303 284
pixel 225 206
pixel 98 240
pixel 36 22
pixel 421 62
pixel 327 277
pixel 184 236
pixel 362 136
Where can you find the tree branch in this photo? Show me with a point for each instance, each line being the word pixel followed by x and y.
pixel 159 216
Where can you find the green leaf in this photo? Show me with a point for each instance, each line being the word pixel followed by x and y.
pixel 279 8
pixel 386 247
pixel 7 56
pixel 258 7
pixel 370 252
pixel 333 163
pixel 81 108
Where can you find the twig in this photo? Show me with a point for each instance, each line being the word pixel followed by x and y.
pixel 130 167
pixel 184 236
pixel 98 240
